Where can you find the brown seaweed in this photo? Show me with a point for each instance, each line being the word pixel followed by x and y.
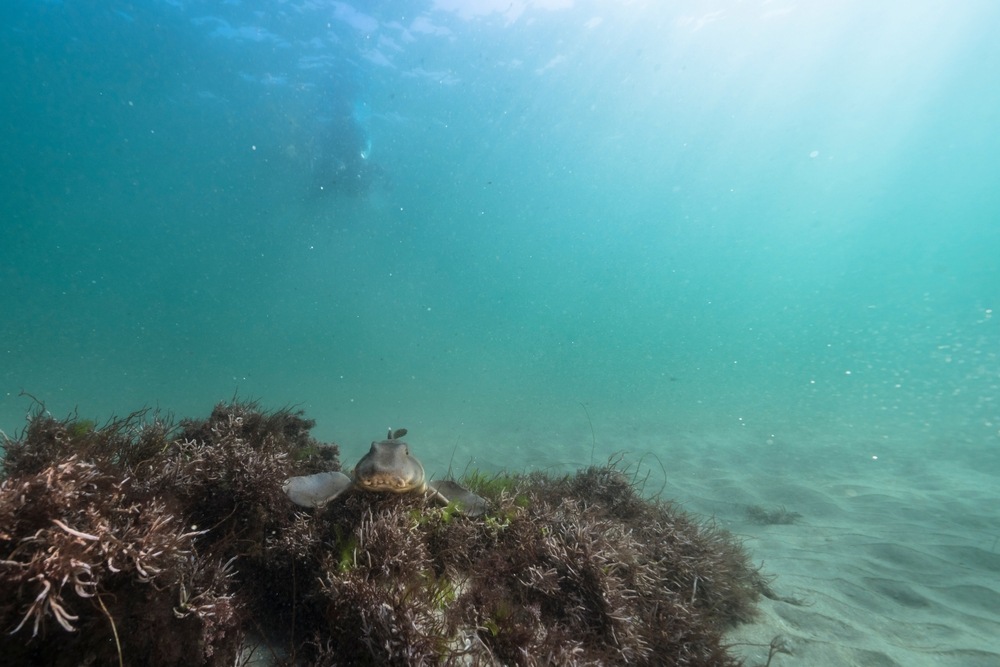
pixel 143 538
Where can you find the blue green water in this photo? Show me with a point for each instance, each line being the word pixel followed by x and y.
pixel 754 243
pixel 662 217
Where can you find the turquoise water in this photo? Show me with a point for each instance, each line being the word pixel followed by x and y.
pixel 771 220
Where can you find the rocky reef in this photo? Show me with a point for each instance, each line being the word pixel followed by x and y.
pixel 147 542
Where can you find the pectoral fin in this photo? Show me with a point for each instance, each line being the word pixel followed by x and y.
pixel 450 492
pixel 316 490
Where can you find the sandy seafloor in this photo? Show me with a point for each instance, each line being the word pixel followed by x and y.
pixel 895 560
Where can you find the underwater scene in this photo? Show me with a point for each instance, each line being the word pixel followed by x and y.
pixel 500 332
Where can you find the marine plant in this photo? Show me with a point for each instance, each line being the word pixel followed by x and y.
pixel 129 539
pixel 175 541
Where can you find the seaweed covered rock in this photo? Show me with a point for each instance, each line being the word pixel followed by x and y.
pixel 82 549
pixel 130 539
pixel 567 571
pixel 177 543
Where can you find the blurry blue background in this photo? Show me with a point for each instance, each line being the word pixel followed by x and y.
pixel 488 221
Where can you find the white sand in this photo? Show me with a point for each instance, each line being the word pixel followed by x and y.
pixel 896 559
